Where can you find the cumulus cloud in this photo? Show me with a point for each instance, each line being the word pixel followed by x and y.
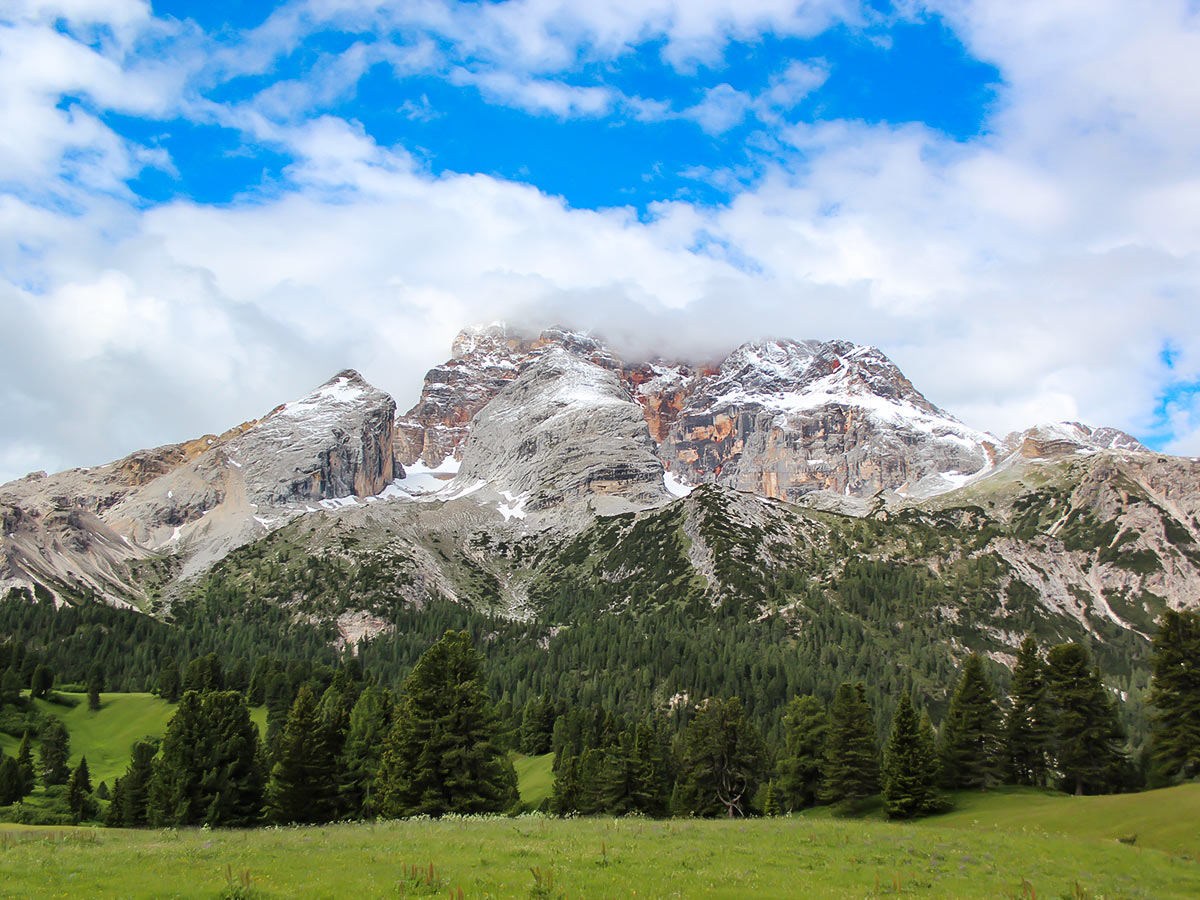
pixel 1035 272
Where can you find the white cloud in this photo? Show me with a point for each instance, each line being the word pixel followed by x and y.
pixel 1034 272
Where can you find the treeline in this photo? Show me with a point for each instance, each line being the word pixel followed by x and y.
pixel 341 745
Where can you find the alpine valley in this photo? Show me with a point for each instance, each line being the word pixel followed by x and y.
pixel 628 532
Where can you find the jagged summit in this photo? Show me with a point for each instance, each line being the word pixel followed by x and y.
pixel 778 417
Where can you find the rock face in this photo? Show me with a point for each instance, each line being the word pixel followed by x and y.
pixel 780 418
pixel 83 527
pixel 336 442
pixel 564 429
pixel 1054 439
pixel 783 418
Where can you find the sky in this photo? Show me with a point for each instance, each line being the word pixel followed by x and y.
pixel 207 209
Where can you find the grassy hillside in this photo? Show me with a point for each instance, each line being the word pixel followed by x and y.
pixel 535 777
pixel 590 858
pixel 1166 820
pixel 106 735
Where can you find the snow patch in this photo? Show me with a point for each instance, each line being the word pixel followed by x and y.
pixel 676 486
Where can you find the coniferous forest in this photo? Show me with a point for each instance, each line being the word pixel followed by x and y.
pixel 341 743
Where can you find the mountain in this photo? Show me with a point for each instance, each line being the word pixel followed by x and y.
pixel 796 508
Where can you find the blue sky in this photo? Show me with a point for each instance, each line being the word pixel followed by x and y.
pixel 210 207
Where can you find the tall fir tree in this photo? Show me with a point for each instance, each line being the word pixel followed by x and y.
pixel 170 683
pixel 443 754
pixel 805 730
pixel 79 792
pixel 1026 732
pixel 1087 738
pixel 25 765
pixel 970 745
pixel 370 722
pixel 42 681
pixel 303 784
pixel 1175 696
pixel 131 794
pixel 209 772
pixel 95 685
pixel 10 780
pixel 722 762
pixel 910 765
pixel 851 770
pixel 54 753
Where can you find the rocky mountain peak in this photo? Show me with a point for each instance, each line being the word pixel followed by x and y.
pixel 565 429
pixel 1054 439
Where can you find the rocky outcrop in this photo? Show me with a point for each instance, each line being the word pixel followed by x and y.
pixel 200 498
pixel 336 442
pixel 1054 439
pixel 563 430
pixel 783 418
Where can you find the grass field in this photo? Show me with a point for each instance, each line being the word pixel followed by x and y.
pixel 1167 820
pixel 535 777
pixel 1015 843
pixel 593 858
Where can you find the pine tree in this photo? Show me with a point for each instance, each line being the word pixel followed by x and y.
pixel 805 729
pixel 1087 737
pixel 537 726
pixel 652 791
pixel 851 770
pixel 564 796
pixel 209 771
pixel 1027 725
pixel 25 765
pixel 54 753
pixel 39 685
pixel 95 686
pixel 370 722
pixel 1175 696
pixel 722 762
pixel 10 781
pixel 170 682
pixel 134 787
pixel 303 784
pixel 771 800
pixel 910 767
pixel 442 754
pixel 114 816
pixel 204 674
pixel 619 778
pixel 79 792
pixel 970 749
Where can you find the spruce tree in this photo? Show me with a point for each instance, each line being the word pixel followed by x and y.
pixel 54 753
pixel 134 787
pixel 170 682
pixel 805 730
pixel 370 722
pixel 79 792
pixel 564 796
pixel 910 766
pixel 209 771
pixel 11 787
pixel 619 778
pixel 1087 738
pixel 303 784
pixel 970 748
pixel 722 762
pixel 851 770
pixel 1027 725
pixel 442 754
pixel 39 685
pixel 1175 696
pixel 25 765
pixel 95 686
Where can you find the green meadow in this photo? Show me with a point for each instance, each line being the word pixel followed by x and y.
pixel 1021 844
pixel 1009 843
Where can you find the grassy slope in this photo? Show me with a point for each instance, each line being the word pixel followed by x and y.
pixel 592 858
pixel 1164 820
pixel 106 735
pixel 535 777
